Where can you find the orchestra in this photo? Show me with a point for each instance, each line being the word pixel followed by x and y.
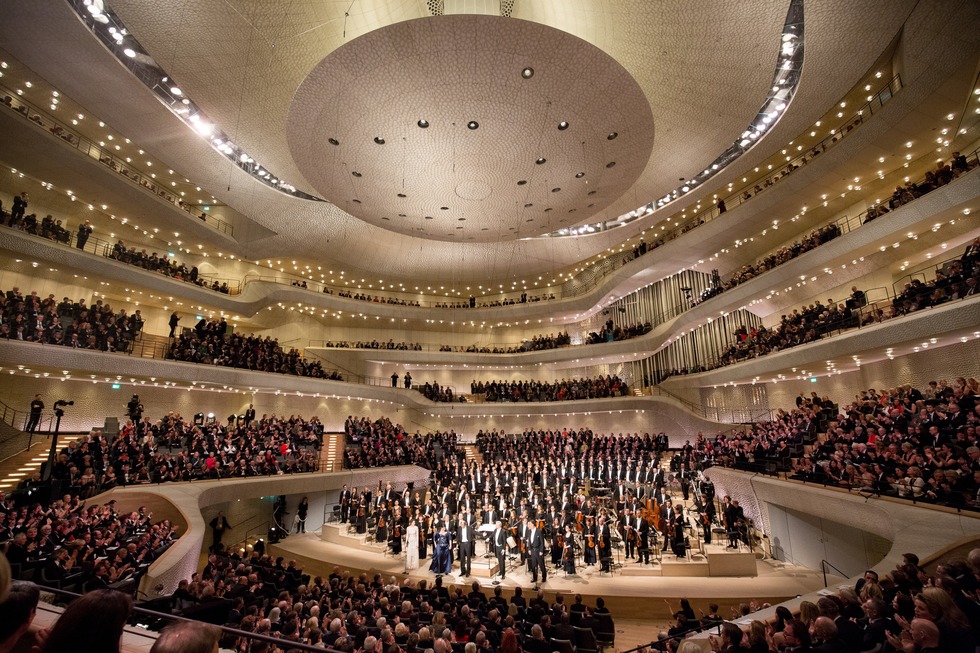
pixel 600 492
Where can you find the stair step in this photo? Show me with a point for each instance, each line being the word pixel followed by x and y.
pixel 332 452
pixel 15 469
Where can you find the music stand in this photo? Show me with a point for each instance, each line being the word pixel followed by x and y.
pixel 486 530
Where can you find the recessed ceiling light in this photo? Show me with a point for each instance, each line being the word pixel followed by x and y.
pixel 611 164
pixel 562 126
pixel 522 182
pixel 555 190
pixel 356 174
pixel 612 136
pixel 402 195
pixel 333 141
pixel 540 160
pixel 423 123
pixel 592 192
pixel 473 124
pixel 356 201
pixel 379 140
pixel 401 215
pixel 579 175
pixel 428 217
pixel 529 205
pixel 527 73
pixel 443 208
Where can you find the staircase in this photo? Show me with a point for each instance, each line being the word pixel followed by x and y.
pixel 472 453
pixel 332 452
pixel 151 346
pixel 25 464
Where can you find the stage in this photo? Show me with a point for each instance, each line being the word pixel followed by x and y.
pixel 720 575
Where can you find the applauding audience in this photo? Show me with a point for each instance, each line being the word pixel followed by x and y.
pixel 66 544
pixel 563 390
pixel 905 442
pixel 208 343
pixel 72 324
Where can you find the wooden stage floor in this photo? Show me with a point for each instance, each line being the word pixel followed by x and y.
pixel 642 604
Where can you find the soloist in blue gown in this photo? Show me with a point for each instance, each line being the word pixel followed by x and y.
pixel 442 554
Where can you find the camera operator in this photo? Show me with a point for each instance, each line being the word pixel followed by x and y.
pixel 135 409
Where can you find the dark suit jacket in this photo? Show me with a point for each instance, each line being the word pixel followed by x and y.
pixel 536 543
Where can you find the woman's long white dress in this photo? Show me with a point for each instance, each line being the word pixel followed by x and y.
pixel 412 547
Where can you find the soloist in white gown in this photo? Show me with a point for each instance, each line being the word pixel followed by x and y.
pixel 412 547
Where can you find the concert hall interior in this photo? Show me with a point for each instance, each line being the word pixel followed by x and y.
pixel 314 314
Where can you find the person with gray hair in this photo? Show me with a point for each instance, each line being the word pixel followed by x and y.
pixel 369 644
pixel 188 637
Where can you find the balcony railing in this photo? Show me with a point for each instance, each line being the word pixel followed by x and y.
pixel 109 159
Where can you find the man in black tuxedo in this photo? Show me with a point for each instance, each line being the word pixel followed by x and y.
pixel 604 544
pixel 249 415
pixel 344 505
pixel 500 547
pixel 642 528
pixel 535 545
pixel 464 537
pixel 734 519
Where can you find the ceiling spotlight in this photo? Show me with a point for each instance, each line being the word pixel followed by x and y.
pixel 562 126
pixel 176 91
pixel 333 141
pixel 522 182
pixel 611 164
pixel 555 190
pixel 129 52
pixel 579 175
pixel 612 136
pixel 540 160
pixel 473 124
pixel 527 73
pixel 402 195
pixel 356 174
pixel 379 140
pixel 423 123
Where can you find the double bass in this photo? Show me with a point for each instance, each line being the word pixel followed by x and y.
pixel 651 513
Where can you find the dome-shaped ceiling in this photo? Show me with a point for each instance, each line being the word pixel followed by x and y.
pixel 480 127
